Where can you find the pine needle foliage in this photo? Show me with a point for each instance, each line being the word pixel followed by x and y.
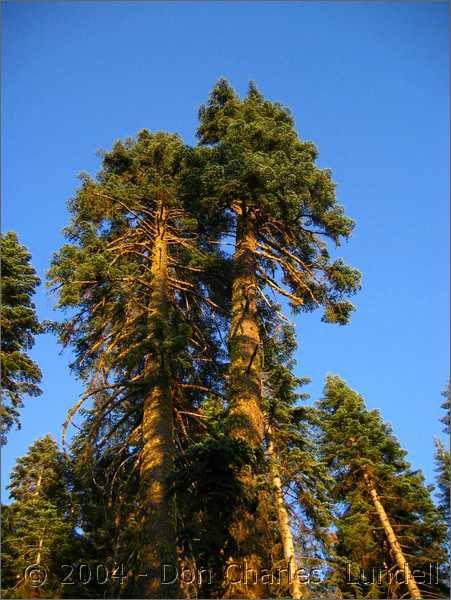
pixel 257 167
pixel 40 522
pixel 20 374
pixel 142 286
pixel 363 454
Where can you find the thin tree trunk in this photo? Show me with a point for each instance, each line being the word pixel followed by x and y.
pixel 40 546
pixel 284 522
pixel 39 482
pixel 244 339
pixel 157 458
pixel 392 539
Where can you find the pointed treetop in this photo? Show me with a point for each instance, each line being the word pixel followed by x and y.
pixel 446 406
pixel 366 440
pixel 253 91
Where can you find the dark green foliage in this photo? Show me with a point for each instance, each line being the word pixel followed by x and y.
pixel 356 441
pixel 255 165
pixel 20 374
pixel 209 492
pixel 443 462
pixel 40 521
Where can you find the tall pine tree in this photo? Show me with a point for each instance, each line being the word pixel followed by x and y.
pixel 144 285
pixel 283 210
pixel 263 179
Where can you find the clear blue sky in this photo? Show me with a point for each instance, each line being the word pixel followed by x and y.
pixel 367 82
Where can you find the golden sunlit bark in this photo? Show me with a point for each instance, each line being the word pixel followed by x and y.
pixel 244 339
pixel 159 531
pixel 247 421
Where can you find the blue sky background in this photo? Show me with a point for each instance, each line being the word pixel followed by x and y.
pixel 367 82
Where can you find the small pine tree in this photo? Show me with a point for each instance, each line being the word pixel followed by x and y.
pixel 40 522
pixel 443 470
pixel 443 459
pixel 385 515
pixel 20 374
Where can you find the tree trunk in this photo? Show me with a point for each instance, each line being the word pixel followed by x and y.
pixel 39 481
pixel 392 539
pixel 246 415
pixel 244 339
pixel 159 530
pixel 284 523
pixel 40 546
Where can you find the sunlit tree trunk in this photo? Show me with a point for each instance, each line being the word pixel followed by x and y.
pixel 159 531
pixel 246 414
pixel 283 519
pixel 392 539
pixel 40 546
pixel 244 339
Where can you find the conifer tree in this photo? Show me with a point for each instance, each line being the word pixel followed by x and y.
pixel 443 463
pixel 20 374
pixel 144 286
pixel 282 208
pixel 443 468
pixel 40 522
pixel 386 519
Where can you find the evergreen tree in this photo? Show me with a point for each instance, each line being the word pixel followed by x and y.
pixel 20 374
pixel 443 464
pixel 443 461
pixel 144 284
pixel 257 173
pixel 385 516
pixel 283 209
pixel 39 532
